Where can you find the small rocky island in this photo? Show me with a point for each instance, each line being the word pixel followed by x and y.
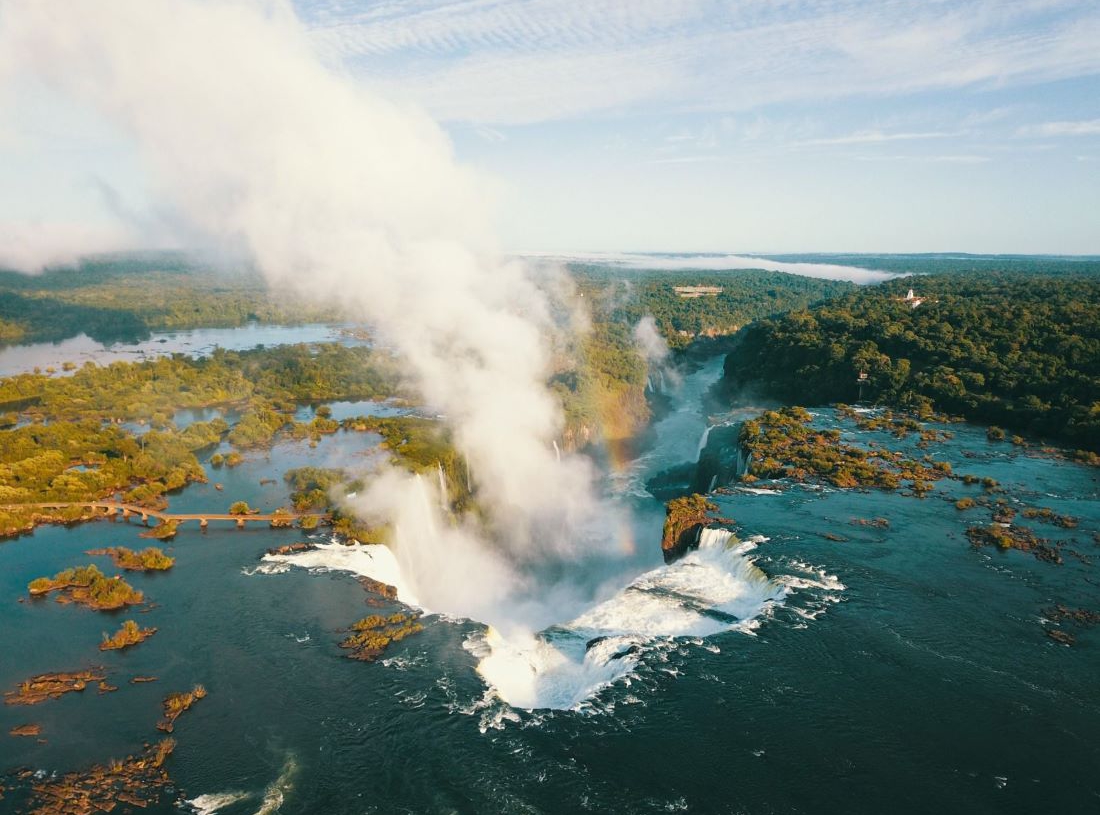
pixel 685 519
pixel 87 586
pixel 150 559
pixel 136 781
pixel 369 638
pixel 175 704
pixel 129 634
pixel 43 687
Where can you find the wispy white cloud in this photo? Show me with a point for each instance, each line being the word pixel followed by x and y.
pixel 1090 127
pixel 878 137
pixel 490 134
pixel 516 61
pixel 931 159
pixel 687 159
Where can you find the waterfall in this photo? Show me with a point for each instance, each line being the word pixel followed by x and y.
pixel 427 513
pixel 703 440
pixel 649 384
pixel 442 488
pixel 713 483
pixel 661 371
pixel 715 541
pixel 743 462
pixel 714 589
pixel 557 450
pixel 714 538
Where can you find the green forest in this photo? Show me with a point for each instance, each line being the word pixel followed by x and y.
pixel 152 390
pixel 115 299
pixel 1016 350
pixel 602 383
pixel 742 296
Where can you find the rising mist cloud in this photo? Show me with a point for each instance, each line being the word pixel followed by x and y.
pixel 720 263
pixel 338 194
pixel 30 246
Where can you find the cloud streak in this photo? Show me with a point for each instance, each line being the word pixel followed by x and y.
pixel 1090 127
pixel 510 62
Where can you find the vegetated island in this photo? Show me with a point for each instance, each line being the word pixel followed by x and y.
pixel 42 687
pixel 782 444
pixel 128 635
pixel 87 586
pixel 685 519
pixel 176 704
pixel 1013 536
pixel 369 637
pixel 149 559
pixel 135 781
pixel 100 461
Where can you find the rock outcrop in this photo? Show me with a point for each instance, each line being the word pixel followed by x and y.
pixel 39 688
pixel 722 461
pixel 292 548
pixel 378 587
pixel 685 519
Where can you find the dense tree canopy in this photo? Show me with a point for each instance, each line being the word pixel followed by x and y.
pixel 1017 350
pixel 125 298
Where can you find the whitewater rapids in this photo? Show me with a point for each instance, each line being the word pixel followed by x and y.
pixel 713 589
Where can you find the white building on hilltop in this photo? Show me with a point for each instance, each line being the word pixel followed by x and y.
pixel 913 300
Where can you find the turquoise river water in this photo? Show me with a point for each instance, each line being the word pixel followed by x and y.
pixel 898 670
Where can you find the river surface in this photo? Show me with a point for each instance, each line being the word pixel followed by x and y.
pixel 198 342
pixel 898 670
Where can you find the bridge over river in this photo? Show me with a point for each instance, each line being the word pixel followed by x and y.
pixel 112 509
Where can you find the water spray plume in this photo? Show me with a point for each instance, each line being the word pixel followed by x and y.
pixel 259 148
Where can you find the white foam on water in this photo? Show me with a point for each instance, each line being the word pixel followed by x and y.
pixel 266 568
pixel 820 579
pixel 213 802
pixel 367 559
pixel 713 589
pixel 277 790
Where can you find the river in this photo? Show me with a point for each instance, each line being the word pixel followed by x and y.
pixel 196 342
pixel 896 670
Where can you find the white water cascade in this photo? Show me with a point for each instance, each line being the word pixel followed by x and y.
pixel 703 440
pixel 443 505
pixel 713 589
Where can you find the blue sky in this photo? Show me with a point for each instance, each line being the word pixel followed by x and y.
pixel 694 125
